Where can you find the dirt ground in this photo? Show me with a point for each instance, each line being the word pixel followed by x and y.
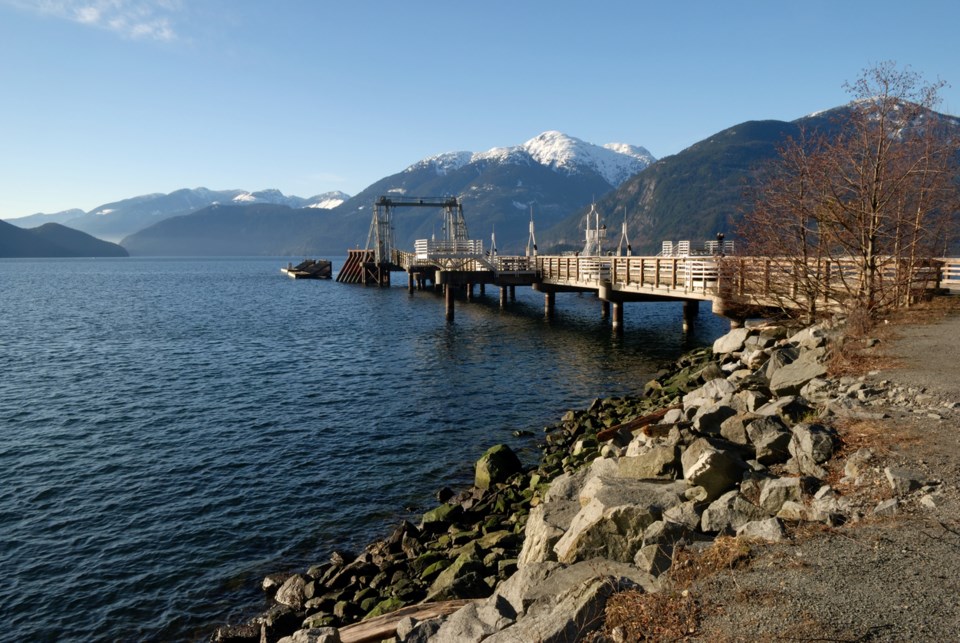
pixel 880 578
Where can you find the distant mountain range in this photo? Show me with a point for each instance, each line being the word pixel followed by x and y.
pixel 114 221
pixel 691 195
pixel 53 240
pixel 553 174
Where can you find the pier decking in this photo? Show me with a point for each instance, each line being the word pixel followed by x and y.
pixel 737 286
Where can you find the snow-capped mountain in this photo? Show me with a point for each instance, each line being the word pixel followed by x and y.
pixel 114 221
pixel 327 200
pixel 552 173
pixel 615 162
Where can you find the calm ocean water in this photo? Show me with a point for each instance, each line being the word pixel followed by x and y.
pixel 172 430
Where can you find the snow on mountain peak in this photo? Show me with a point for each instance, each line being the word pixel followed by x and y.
pixel 615 162
pixel 327 200
pixel 445 163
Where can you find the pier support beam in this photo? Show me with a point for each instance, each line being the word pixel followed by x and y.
pixel 483 289
pixel 604 309
pixel 513 293
pixel 618 317
pixel 469 292
pixel 410 282
pixel 690 311
pixel 549 299
pixel 503 296
pixel 448 300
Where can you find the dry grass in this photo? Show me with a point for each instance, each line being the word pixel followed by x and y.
pixel 666 616
pixel 672 614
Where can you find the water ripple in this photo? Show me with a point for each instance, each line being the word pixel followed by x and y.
pixel 171 430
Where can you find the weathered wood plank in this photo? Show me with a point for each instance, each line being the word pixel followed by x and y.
pixel 385 627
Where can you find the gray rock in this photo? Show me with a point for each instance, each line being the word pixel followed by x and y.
pixel 659 462
pixel 462 579
pixel 713 469
pixel 613 521
pixel 734 428
pixel 817 390
pixel 810 337
pixel 778 491
pixel 729 512
pixel 663 532
pixel 654 559
pixel 709 417
pixel 710 393
pixel 887 507
pixel 292 592
pixel 790 378
pixel 748 401
pixel 903 481
pixel 569 603
pixel 770 437
pixel 731 342
pixel 687 514
pixel 779 358
pixel 476 621
pixel 313 635
pixel 811 445
pixel 421 631
pixel 769 530
pixel 547 522
pixel 789 407
pixel 672 417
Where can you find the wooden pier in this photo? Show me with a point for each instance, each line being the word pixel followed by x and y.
pixel 737 287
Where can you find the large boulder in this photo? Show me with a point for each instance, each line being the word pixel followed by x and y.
pixel 710 393
pixel 789 379
pixel 811 445
pixel 709 417
pixel 779 491
pixel 548 521
pixel 729 512
pixel 770 437
pixel 612 523
pixel 569 602
pixel 768 529
pixel 496 466
pixel 731 342
pixel 714 469
pixel 659 462
pixel 462 579
pixel 293 592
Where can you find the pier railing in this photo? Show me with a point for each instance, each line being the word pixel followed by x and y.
pixel 698 275
pixel 950 274
pixel 753 281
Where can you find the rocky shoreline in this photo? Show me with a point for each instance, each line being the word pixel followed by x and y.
pixel 728 441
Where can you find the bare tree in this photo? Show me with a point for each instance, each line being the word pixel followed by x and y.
pixel 854 217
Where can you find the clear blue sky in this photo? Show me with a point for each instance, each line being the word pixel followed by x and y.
pixel 108 99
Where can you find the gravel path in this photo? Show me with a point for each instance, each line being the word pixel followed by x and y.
pixel 894 578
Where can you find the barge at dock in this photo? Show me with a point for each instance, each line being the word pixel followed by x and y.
pixel 309 269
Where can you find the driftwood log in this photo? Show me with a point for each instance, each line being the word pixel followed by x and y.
pixel 385 627
pixel 636 423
